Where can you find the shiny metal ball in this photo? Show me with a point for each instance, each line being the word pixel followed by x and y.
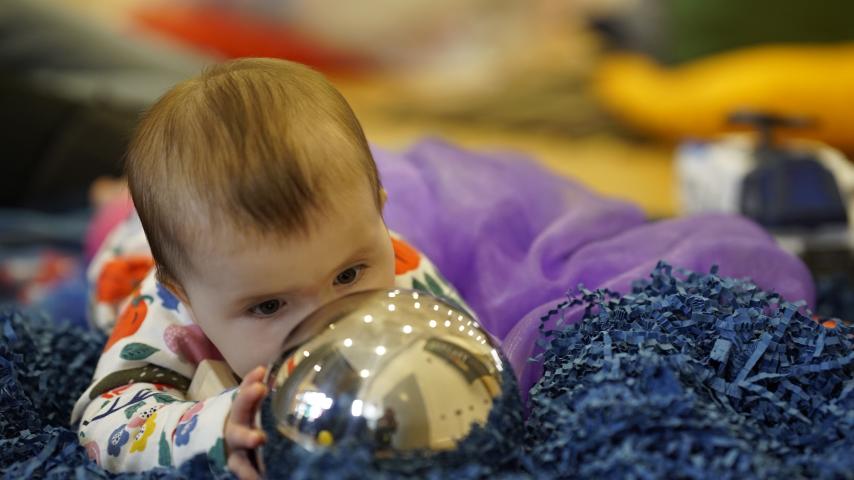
pixel 399 370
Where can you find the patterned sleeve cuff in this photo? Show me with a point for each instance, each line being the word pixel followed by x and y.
pixel 141 426
pixel 200 430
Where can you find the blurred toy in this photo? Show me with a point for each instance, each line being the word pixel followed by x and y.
pixel 400 371
pixel 788 187
pixel 802 192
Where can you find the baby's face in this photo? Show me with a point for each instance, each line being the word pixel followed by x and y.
pixel 247 296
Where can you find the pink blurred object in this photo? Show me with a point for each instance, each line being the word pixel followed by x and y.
pixel 107 217
pixel 190 343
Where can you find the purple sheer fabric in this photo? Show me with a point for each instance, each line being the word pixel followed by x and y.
pixel 514 238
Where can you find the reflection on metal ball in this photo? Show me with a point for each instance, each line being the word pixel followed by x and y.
pixel 399 370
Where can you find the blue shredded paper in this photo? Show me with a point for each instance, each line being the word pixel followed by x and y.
pixel 696 376
pixel 688 376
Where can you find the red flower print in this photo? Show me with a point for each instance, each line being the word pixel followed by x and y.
pixel 406 258
pixel 120 276
pixel 130 320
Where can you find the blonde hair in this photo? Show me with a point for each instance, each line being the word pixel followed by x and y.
pixel 263 143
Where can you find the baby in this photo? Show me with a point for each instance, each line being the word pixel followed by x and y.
pixel 257 201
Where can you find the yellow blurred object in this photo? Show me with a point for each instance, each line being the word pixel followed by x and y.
pixel 324 437
pixel 694 99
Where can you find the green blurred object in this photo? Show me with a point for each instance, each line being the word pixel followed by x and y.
pixel 677 31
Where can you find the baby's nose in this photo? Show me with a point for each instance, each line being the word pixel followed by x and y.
pixel 325 296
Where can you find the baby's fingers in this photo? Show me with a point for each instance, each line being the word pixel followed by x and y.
pixel 248 397
pixel 255 375
pixel 241 437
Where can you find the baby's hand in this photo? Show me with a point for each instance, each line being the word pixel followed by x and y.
pixel 241 436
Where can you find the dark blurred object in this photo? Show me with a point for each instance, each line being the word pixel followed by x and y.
pixel 833 270
pixel 75 57
pixel 792 190
pixel 835 296
pixel 676 31
pixel 765 123
pixel 71 91
pixel 788 188
pixel 55 147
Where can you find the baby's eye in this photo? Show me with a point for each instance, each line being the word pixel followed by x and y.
pixel 265 309
pixel 349 276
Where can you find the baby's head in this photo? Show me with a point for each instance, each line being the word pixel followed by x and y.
pixel 260 200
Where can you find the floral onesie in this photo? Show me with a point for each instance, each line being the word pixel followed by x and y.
pixel 136 414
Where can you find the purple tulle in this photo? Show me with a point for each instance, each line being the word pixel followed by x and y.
pixel 514 238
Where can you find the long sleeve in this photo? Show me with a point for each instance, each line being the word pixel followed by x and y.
pixel 140 426
pixel 136 415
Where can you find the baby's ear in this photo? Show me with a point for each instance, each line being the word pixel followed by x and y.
pixel 383 198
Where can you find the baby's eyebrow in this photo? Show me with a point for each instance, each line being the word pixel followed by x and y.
pixel 354 255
